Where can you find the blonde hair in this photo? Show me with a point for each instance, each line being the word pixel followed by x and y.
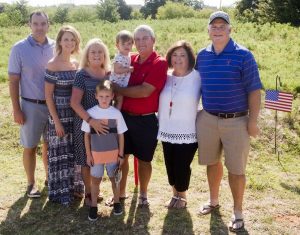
pixel 74 32
pixel 84 59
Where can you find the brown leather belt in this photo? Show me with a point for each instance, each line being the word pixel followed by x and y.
pixel 136 114
pixel 230 115
pixel 34 101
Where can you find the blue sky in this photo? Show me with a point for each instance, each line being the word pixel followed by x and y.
pixel 215 3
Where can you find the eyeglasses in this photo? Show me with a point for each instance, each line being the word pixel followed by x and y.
pixel 221 28
pixel 143 39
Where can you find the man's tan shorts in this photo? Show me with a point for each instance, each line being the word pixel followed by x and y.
pixel 231 135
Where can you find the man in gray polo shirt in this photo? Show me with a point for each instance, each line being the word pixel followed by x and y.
pixel 26 67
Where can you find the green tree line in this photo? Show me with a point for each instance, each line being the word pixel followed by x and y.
pixel 107 10
pixel 259 11
pixel 263 11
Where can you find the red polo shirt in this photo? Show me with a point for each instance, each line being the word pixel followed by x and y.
pixel 152 71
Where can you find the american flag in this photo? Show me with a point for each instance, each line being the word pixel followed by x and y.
pixel 278 100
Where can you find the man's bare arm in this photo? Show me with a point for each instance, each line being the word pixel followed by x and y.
pixel 254 100
pixel 14 83
pixel 139 91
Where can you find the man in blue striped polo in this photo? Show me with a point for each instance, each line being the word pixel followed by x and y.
pixel 231 102
pixel 26 68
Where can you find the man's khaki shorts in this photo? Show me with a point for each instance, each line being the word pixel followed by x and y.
pixel 35 125
pixel 231 135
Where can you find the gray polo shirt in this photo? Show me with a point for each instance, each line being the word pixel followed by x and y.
pixel 29 60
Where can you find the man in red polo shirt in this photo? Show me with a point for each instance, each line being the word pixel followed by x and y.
pixel 139 106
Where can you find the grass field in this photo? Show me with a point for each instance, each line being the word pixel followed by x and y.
pixel 272 198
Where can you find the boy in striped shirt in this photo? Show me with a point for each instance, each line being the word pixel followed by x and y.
pixel 104 151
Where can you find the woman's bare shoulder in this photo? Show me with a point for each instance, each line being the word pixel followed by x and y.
pixel 53 64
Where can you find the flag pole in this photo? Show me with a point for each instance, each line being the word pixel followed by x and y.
pixel 276 118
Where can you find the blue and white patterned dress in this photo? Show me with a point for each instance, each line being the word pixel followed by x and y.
pixel 61 161
pixel 85 82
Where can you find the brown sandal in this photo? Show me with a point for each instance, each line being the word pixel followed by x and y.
pixel 180 203
pixel 207 209
pixel 170 204
pixel 143 202
pixel 110 201
pixel 236 225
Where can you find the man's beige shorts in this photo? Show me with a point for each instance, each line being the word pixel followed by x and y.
pixel 231 135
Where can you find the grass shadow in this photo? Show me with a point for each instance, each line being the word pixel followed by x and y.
pixel 131 211
pixel 178 221
pixel 142 219
pixel 138 217
pixel 18 223
pixel 13 217
pixel 217 225
pixel 41 216
pixel 65 217
pixel 291 188
pixel 243 232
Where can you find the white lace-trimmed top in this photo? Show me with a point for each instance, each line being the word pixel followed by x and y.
pixel 179 126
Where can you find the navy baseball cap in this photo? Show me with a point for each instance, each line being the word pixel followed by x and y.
pixel 219 14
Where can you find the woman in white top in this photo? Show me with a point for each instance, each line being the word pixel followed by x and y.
pixel 177 112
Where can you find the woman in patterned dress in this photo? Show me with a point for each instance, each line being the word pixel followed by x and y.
pixel 95 66
pixel 59 77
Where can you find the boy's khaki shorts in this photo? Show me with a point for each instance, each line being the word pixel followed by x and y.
pixel 216 134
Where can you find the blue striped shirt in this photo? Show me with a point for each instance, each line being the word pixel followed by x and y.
pixel 227 78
